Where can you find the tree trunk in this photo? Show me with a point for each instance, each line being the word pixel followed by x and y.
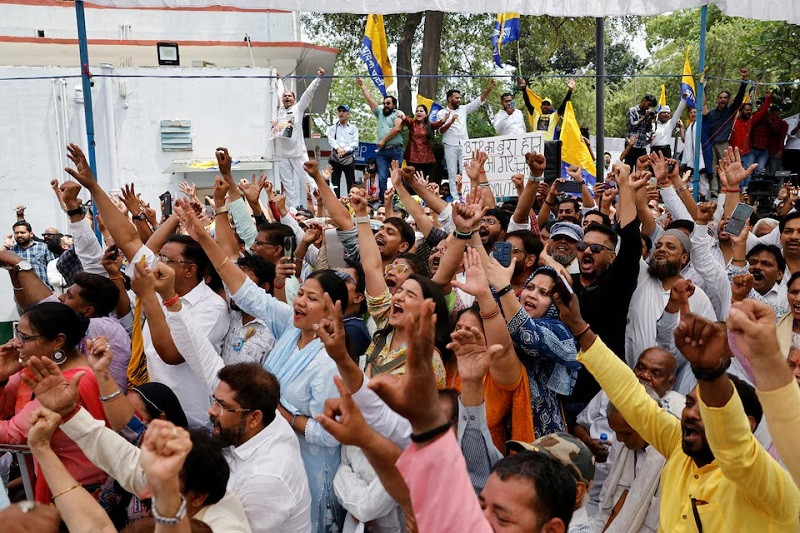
pixel 404 67
pixel 431 52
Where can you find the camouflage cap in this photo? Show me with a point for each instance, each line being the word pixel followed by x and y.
pixel 565 449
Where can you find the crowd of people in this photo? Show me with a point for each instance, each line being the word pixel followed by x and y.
pixel 610 360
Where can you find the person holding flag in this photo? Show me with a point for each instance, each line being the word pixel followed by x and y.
pixel 574 151
pixel 542 116
pixel 506 30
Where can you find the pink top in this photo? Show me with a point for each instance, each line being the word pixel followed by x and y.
pixel 441 492
pixel 16 405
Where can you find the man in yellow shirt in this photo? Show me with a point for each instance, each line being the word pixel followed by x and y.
pixel 717 476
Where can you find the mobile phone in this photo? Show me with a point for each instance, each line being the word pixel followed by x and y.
pixel 571 187
pixel 671 168
pixel 502 252
pixel 609 185
pixel 738 219
pixel 166 204
pixel 563 288
pixel 114 252
pixel 289 246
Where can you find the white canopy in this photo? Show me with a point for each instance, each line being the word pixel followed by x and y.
pixel 788 10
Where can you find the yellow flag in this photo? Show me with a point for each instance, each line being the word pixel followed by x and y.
pixel 687 81
pixel 536 102
pixel 573 150
pixel 662 101
pixel 375 54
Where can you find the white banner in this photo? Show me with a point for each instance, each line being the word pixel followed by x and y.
pixel 788 10
pixel 506 157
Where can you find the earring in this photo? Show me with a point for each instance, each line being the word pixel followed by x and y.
pixel 59 357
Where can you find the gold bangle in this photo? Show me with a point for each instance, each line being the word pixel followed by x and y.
pixel 118 276
pixel 75 486
pixel 222 264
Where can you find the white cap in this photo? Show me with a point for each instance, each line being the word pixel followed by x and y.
pixel 665 109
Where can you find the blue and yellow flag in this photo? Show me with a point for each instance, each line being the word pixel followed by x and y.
pixel 374 53
pixel 433 107
pixel 573 150
pixel 687 82
pixel 506 30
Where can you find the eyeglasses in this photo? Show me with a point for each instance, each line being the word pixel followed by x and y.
pixel 23 337
pixel 216 402
pixel 263 243
pixel 594 248
pixel 515 250
pixel 166 260
pixel 490 221
pixel 345 276
pixel 398 268
pixel 49 234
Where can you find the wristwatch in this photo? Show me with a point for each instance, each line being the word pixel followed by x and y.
pixel 80 210
pixel 140 216
pixel 222 210
pixel 23 266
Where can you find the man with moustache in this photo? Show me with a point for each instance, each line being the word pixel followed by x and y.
pixel 606 281
pixel 719 478
pixel 564 239
pixel 493 228
pixel 670 255
pixel 758 276
pixel 267 472
pixel 35 254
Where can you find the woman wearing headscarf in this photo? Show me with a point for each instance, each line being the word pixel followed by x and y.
pixel 543 343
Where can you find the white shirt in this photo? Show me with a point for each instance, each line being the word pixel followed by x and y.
pixel 246 343
pixel 87 248
pixel 55 278
pixel 662 136
pixel 456 134
pixel 343 136
pixel 792 141
pixel 268 476
pixel 687 157
pixel 209 315
pixel 506 124
pixel 647 305
pixel 110 452
pixel 294 146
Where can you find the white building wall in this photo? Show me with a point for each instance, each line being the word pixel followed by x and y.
pixel 59 22
pixel 241 108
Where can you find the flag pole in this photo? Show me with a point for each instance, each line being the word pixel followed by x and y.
pixel 600 100
pixel 698 104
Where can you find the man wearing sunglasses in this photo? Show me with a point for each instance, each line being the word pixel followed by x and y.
pixel 605 284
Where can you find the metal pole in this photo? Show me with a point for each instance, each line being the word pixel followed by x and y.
pixel 87 99
pixel 698 128
pixel 600 95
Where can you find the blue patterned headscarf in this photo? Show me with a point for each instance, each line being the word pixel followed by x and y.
pixel 552 311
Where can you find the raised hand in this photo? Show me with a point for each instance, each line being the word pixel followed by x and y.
pixel 50 386
pixel 224 161
pixel 413 395
pixel 188 189
pixel 320 71
pixel 130 199
pixel 112 261
pixel 311 168
pixel 472 354
pixel 343 419
pixel 10 362
pixel 331 331
pixel 701 342
pixel 752 325
pixel 639 180
pixel 536 163
pixel 189 219
pixel 99 356
pixel 705 212
pixel 498 275
pixel 83 172
pixel 312 234
pixel 679 295
pixel 284 270
pixel 571 84
pixel 734 171
pixel 643 163
pixel 359 205
pixel 221 188
pixel 42 424
pixel 252 189
pixel 475 166
pixel 519 182
pixel 659 167
pixel 164 450
pixel 467 216
pixel 68 194
pixel 574 172
pixel 476 282
pixel 741 285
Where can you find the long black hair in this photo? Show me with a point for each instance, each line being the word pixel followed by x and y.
pixel 443 323
pixel 426 121
pixel 50 319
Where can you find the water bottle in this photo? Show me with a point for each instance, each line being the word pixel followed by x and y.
pixel 604 438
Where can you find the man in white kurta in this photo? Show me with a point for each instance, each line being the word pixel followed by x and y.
pixel 291 150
